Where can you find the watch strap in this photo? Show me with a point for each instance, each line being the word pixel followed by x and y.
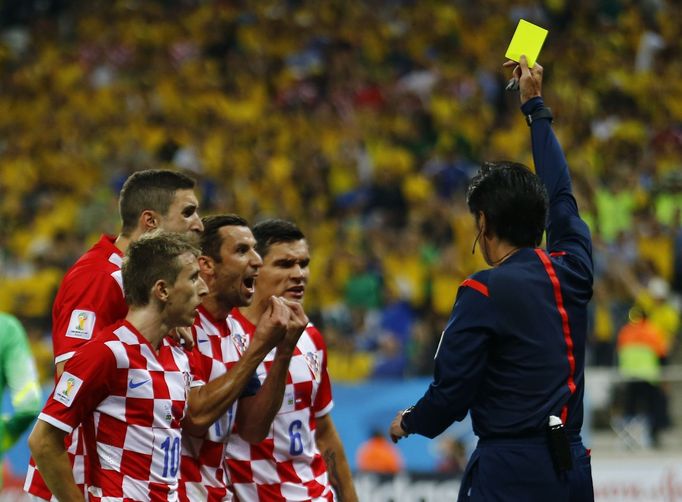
pixel 542 113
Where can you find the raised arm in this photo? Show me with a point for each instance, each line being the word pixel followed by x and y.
pixel 208 402
pixel 566 232
pixel 256 413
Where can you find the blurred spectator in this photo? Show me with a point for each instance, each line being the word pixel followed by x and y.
pixel 452 456
pixel 40 340
pixel 641 345
pixel 677 253
pixel 602 327
pixel 378 455
pixel 654 301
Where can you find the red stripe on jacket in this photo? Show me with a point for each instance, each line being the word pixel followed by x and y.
pixel 478 286
pixel 558 297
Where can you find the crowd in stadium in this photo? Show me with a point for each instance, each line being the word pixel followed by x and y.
pixel 361 121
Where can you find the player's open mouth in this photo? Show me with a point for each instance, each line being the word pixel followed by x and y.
pixel 249 284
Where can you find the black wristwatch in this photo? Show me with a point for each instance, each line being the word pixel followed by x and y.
pixel 403 426
pixel 542 113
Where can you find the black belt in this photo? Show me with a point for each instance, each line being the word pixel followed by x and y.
pixel 573 436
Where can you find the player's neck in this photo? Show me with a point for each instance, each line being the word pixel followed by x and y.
pixel 254 311
pixel 122 242
pixel 149 324
pixel 214 307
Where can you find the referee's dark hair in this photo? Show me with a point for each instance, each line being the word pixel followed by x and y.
pixel 513 200
pixel 274 231
pixel 211 241
pixel 149 189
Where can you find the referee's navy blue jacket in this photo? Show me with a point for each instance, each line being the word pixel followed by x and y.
pixel 513 350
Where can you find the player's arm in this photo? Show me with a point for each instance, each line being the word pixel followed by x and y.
pixel 22 380
pixel 459 367
pixel 338 470
pixel 84 383
pixel 208 402
pixel 256 413
pixel 47 447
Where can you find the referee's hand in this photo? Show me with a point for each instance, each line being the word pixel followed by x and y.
pixel 529 79
pixel 396 431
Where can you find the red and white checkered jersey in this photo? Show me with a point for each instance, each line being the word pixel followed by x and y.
pixel 89 298
pixel 219 344
pixel 287 466
pixel 130 401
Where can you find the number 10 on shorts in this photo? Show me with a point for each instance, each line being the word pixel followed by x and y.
pixel 166 460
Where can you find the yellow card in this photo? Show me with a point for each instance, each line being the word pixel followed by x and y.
pixel 527 40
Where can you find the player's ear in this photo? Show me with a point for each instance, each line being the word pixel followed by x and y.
pixel 160 290
pixel 149 220
pixel 206 265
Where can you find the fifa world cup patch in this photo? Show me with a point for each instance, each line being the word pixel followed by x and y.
pixel 67 388
pixel 81 324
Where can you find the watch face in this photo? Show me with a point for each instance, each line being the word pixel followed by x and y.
pixel 404 414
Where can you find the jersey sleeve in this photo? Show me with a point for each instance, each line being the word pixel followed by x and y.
pixel 84 383
pixel 85 306
pixel 199 364
pixel 323 400
pixel 566 231
pixel 459 364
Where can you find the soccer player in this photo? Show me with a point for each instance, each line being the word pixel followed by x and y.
pixel 128 386
pixel 513 351
pixel 18 374
pixel 91 293
pixel 302 457
pixel 229 266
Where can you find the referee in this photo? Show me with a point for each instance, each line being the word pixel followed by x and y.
pixel 513 350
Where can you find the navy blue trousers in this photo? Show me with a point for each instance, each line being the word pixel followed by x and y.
pixel 521 470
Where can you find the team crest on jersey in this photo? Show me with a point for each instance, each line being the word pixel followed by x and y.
pixel 313 362
pixel 81 324
pixel 67 388
pixel 187 377
pixel 241 341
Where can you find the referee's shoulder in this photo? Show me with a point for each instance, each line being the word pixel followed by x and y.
pixel 478 283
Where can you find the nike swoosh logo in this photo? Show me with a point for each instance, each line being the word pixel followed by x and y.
pixel 135 385
pixel 203 341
